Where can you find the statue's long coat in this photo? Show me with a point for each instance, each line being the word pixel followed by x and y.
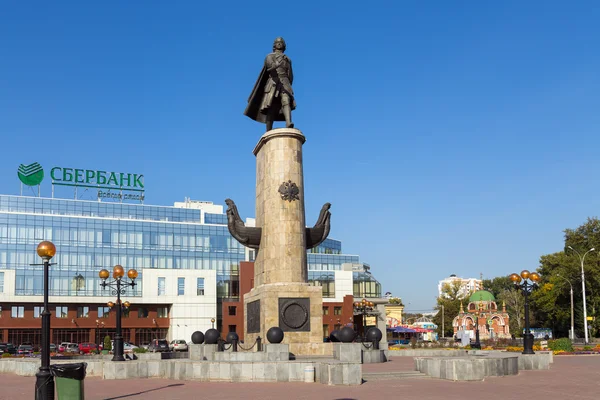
pixel 255 108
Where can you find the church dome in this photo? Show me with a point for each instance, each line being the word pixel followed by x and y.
pixel 482 295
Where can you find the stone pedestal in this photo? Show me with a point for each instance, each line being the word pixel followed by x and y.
pixel 199 352
pixel 372 356
pixel 281 296
pixel 277 352
pixel 348 352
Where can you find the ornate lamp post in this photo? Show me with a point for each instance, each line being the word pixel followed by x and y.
pixel 363 307
pixel 118 288
pixel 478 313
pixel 527 281
pixel 44 383
pixel 582 259
pixel 98 334
pixel 212 321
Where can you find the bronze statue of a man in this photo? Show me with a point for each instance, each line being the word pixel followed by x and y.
pixel 272 98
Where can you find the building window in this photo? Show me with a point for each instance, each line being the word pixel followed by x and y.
pixel 161 286
pixel 325 330
pixel 337 327
pixel 62 311
pixel 232 310
pixel 1 282
pixel 103 312
pixel 180 286
pixel 325 279
pixel 337 310
pixel 83 312
pixel 17 312
pixel 37 312
pixel 231 328
pixel 325 310
pixel 200 287
pixel 142 312
pixel 163 312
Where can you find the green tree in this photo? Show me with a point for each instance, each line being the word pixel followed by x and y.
pixel 551 305
pixel 497 285
pixel 107 343
pixel 449 302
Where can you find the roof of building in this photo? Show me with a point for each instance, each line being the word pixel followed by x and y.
pixel 482 295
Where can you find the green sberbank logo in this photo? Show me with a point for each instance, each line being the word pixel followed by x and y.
pixel 31 175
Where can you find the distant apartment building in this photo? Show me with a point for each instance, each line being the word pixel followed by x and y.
pixel 467 285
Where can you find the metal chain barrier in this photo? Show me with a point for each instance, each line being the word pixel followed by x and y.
pixel 247 348
pixel 365 345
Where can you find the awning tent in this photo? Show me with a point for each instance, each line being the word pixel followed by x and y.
pixel 403 329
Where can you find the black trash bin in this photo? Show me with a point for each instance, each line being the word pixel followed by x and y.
pixel 69 380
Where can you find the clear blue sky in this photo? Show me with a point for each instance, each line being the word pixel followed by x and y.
pixel 452 137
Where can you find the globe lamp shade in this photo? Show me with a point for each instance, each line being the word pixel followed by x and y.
pixel 118 272
pixel 46 249
pixel 515 278
pixel 103 274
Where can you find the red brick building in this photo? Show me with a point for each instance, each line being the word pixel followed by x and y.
pixel 79 323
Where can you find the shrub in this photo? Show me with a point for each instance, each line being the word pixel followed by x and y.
pixel 140 350
pixel 587 348
pixel 5 355
pixel 107 343
pixel 560 344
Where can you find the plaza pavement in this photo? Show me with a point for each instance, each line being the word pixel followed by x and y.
pixel 571 377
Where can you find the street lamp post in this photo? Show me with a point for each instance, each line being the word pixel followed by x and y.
pixel 582 259
pixel 572 332
pixel 118 288
pixel 44 383
pixel 363 307
pixel 523 282
pixel 478 312
pixel 98 334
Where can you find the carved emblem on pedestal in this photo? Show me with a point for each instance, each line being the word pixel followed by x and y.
pixel 289 191
pixel 253 317
pixel 294 314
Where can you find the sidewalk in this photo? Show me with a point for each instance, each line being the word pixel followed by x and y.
pixel 571 377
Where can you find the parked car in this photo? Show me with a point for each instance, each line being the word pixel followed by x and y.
pixel 178 345
pixel 87 348
pixel 158 345
pixel 72 348
pixel 145 345
pixel 25 350
pixel 129 347
pixel 53 348
pixel 8 348
pixel 62 347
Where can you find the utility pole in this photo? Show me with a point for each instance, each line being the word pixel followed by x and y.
pixel 443 330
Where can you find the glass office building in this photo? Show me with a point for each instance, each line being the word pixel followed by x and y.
pixel 187 261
